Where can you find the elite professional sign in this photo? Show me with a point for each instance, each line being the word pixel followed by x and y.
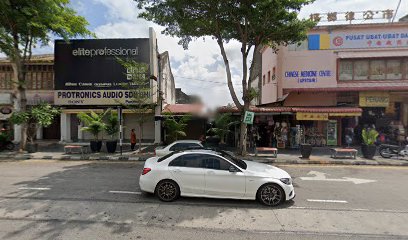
pixel 87 72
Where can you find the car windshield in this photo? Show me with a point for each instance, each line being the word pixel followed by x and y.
pixel 233 159
pixel 166 156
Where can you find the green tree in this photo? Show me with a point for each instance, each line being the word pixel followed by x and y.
pixel 27 23
pixel 42 114
pixel 139 86
pixel 175 128
pixel 223 122
pixel 253 23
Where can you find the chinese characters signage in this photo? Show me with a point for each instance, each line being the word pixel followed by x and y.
pixel 365 39
pixel 369 40
pixel 351 16
pixel 312 116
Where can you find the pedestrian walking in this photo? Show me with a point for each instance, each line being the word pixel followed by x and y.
pixel 132 139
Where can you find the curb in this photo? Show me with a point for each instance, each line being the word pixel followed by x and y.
pixel 14 157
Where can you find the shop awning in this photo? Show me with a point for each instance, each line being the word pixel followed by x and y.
pixel 316 113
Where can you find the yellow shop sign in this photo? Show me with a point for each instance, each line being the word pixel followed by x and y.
pixel 374 99
pixel 312 116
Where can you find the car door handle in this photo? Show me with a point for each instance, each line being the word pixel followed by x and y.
pixel 210 172
pixel 176 170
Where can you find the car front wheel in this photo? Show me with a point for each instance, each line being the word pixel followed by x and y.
pixel 271 194
pixel 167 190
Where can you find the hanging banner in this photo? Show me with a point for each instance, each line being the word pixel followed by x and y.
pixel 312 116
pixel 374 99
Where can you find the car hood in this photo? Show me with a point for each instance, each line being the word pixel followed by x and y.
pixel 264 170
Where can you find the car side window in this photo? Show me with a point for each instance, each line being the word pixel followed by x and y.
pixel 187 160
pixel 216 163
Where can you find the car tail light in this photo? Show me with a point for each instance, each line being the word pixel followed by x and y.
pixel 146 170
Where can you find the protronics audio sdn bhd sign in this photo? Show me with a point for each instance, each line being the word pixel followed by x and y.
pixel 87 72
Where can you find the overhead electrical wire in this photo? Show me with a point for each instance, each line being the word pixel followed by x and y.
pixel 396 10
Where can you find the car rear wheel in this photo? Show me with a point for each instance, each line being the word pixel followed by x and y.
pixel 167 190
pixel 271 194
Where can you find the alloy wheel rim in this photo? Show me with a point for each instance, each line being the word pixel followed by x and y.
pixel 271 195
pixel 167 191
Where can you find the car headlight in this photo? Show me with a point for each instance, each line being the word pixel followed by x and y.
pixel 287 181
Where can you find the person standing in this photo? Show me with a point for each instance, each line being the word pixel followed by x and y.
pixel 132 139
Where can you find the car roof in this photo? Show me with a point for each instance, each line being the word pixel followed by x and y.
pixel 187 141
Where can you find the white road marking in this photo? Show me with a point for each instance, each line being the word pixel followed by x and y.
pixel 320 176
pixel 326 201
pixel 35 188
pixel 126 192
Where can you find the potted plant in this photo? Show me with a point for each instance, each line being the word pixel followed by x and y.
pixel 369 138
pixel 112 128
pixel 93 124
pixel 306 150
pixel 175 128
pixel 222 124
pixel 42 114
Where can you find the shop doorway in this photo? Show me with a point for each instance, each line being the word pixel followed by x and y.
pixel 53 132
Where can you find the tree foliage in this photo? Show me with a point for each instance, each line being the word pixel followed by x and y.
pixel 223 122
pixel 39 115
pixel 175 127
pixel 253 23
pixel 26 23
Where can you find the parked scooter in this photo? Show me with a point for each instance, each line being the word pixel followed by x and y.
pixel 5 143
pixel 388 151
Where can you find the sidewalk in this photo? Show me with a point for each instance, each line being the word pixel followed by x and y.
pixel 287 156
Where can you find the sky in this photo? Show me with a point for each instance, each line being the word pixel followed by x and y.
pixel 200 69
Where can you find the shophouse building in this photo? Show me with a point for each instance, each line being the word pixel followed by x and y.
pixel 339 80
pixel 84 75
pixel 40 88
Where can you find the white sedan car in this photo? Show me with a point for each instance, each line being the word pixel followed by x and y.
pixel 178 146
pixel 207 173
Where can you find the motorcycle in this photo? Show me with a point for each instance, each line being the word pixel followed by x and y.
pixel 5 143
pixel 388 151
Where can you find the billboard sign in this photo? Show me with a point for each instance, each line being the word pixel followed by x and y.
pixel 87 71
pixel 363 39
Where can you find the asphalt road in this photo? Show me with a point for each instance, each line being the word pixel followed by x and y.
pixel 102 200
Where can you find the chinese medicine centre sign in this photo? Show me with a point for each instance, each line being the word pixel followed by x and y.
pixel 368 39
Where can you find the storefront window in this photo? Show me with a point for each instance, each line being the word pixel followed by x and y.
pixel 361 70
pixel 377 69
pixel 394 69
pixel 346 70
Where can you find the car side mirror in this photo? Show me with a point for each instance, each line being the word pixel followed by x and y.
pixel 232 169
